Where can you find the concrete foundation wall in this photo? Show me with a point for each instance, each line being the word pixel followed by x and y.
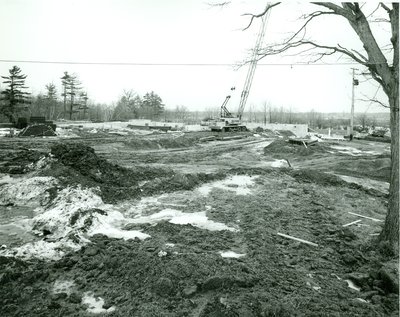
pixel 300 130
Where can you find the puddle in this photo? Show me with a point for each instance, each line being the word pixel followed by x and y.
pixel 240 184
pixel 16 234
pixel 197 219
pixel 366 183
pixel 23 191
pixel 353 151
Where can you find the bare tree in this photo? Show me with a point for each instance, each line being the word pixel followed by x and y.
pixel 181 113
pixel 373 58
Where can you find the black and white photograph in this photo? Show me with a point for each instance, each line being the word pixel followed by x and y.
pixel 199 158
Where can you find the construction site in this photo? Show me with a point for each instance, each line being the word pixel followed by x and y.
pixel 221 218
pixel 193 224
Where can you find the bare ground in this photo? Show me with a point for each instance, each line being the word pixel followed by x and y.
pixel 179 271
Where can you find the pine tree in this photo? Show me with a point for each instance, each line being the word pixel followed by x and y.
pixel 71 88
pixel 16 99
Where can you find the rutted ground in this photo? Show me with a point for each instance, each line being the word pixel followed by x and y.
pixel 149 241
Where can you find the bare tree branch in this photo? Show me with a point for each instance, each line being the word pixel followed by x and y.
pixel 268 7
pixel 219 4
pixel 337 9
pixel 376 9
pixel 374 101
pixel 388 10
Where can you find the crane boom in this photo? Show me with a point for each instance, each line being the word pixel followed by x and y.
pixel 252 68
pixel 228 122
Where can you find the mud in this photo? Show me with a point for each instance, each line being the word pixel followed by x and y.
pixel 180 269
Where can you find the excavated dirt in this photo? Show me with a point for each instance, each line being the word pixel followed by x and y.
pixel 180 269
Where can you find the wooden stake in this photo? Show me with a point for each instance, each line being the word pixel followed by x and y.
pixel 304 143
pixel 297 239
pixel 362 216
pixel 351 223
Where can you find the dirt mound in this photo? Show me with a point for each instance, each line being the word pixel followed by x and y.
pixel 37 130
pixel 79 164
pixel 371 167
pixel 282 148
pixel 20 162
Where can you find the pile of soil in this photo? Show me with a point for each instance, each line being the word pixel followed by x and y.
pixel 19 162
pixel 281 148
pixel 77 163
pixel 377 168
pixel 37 130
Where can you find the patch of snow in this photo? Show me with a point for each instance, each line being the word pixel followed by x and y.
pixel 8 132
pixel 351 284
pixel 95 304
pixel 63 286
pixel 7 179
pixel 66 134
pixel 75 212
pixel 231 254
pixel 197 219
pixel 237 183
pixel 42 250
pixel 113 232
pixel 26 191
pixel 279 163
pixel 69 201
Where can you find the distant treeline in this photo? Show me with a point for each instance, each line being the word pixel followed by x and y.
pixel 72 102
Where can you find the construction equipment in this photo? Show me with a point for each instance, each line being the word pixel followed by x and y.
pixel 228 121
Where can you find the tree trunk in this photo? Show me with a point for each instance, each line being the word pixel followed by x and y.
pixel 390 231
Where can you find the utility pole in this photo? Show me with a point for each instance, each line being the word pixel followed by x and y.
pixel 353 83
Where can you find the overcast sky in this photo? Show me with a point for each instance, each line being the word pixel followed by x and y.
pixel 158 33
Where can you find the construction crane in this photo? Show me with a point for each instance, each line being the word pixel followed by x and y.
pixel 227 121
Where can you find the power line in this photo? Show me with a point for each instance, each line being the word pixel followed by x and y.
pixel 171 64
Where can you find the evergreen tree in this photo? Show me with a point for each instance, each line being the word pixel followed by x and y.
pixel 15 98
pixel 71 89
pixel 152 106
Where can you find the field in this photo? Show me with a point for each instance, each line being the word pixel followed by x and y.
pixel 193 224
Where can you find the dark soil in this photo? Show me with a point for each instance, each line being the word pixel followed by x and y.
pixel 276 277
pixel 79 164
pixel 282 148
